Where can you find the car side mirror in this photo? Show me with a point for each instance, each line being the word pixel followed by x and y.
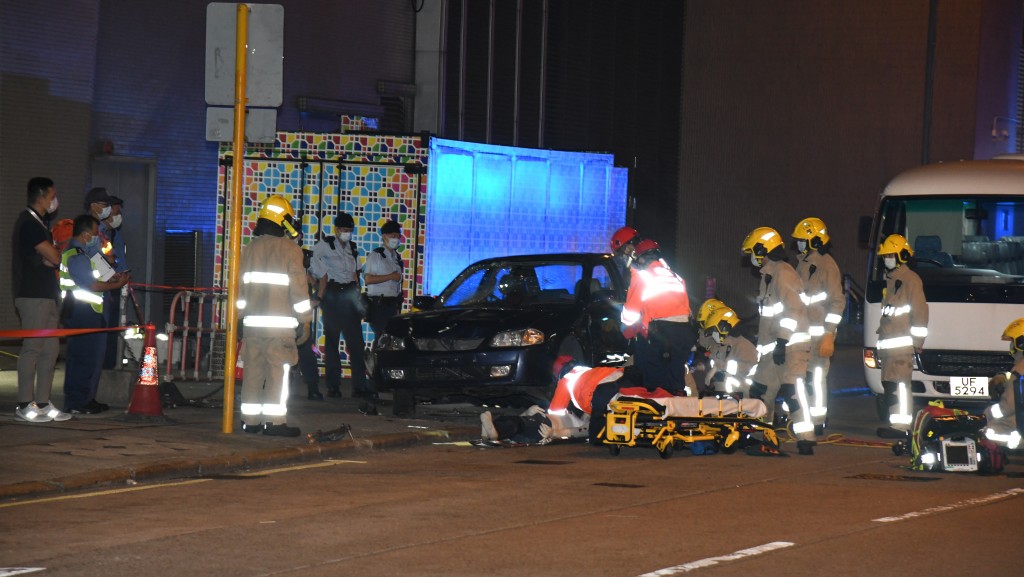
pixel 424 303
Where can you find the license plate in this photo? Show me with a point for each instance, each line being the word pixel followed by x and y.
pixel 968 386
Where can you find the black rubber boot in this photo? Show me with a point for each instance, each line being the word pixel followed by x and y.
pixel 805 447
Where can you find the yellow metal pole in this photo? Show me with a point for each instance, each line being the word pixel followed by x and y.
pixel 235 239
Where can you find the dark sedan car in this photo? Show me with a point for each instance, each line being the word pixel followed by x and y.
pixel 497 328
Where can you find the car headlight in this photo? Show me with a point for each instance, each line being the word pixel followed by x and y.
pixel 518 338
pixel 390 343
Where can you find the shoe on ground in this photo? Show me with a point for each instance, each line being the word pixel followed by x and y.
pixel 33 414
pixel 805 447
pixel 252 429
pixel 487 430
pixel 84 410
pixel 282 430
pixel 56 414
pixel 317 396
pixel 334 393
pixel 97 407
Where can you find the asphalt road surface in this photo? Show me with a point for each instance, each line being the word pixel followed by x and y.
pixel 565 509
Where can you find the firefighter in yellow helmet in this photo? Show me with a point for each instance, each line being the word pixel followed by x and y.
pixel 274 306
pixel 783 340
pixel 1006 417
pixel 902 329
pixel 823 294
pixel 733 356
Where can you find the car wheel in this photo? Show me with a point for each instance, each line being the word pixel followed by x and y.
pixel 405 403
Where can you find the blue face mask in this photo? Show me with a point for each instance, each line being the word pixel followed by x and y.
pixel 93 243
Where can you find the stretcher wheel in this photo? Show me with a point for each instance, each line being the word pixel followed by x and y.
pixel 614 450
pixel 666 452
pixel 727 450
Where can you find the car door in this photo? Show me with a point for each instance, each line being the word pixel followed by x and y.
pixel 603 311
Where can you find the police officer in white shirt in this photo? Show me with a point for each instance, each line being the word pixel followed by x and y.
pixel 335 265
pixel 383 279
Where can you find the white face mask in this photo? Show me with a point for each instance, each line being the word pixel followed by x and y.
pixel 344 236
pixel 755 261
pixel 890 262
pixel 115 221
pixel 392 243
pixel 104 213
pixel 53 206
pixel 801 245
pixel 716 336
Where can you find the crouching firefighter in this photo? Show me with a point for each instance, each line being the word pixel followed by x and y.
pixel 1006 417
pixel 783 340
pixel 274 305
pixel 902 330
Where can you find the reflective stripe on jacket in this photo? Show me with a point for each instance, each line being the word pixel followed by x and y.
pixel 273 295
pixel 783 313
pixel 654 293
pixel 823 292
pixel 68 285
pixel 904 321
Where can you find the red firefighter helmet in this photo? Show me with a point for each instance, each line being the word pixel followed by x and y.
pixel 624 236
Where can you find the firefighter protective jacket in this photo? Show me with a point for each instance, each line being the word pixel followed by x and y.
pixel 783 313
pixel 655 293
pixel 273 298
pixel 736 357
pixel 904 322
pixel 1006 417
pixel 823 292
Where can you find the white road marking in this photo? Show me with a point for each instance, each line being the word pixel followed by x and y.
pixel 687 567
pixel 960 505
pixel 5 571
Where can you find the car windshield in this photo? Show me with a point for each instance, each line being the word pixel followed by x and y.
pixel 961 244
pixel 515 284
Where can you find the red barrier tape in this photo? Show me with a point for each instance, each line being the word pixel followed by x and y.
pixel 144 286
pixel 44 333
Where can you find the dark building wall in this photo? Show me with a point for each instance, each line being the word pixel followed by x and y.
pixel 47 72
pixel 133 73
pixel 808 108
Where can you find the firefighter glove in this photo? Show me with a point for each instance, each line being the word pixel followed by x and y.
pixel 779 354
pixel 827 346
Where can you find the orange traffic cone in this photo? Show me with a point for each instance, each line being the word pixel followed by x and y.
pixel 146 394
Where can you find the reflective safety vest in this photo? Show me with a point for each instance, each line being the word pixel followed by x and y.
pixel 67 283
pixel 655 293
pixel 1005 418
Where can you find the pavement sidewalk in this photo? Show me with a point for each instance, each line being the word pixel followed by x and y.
pixel 114 448
pixel 111 448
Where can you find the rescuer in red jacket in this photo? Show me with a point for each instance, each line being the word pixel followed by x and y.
pixel 657 312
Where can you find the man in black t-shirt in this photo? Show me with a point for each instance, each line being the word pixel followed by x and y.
pixel 34 264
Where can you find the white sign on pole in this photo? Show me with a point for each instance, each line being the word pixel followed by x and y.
pixel 264 61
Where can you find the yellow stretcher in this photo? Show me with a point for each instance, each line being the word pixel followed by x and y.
pixel 667 424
